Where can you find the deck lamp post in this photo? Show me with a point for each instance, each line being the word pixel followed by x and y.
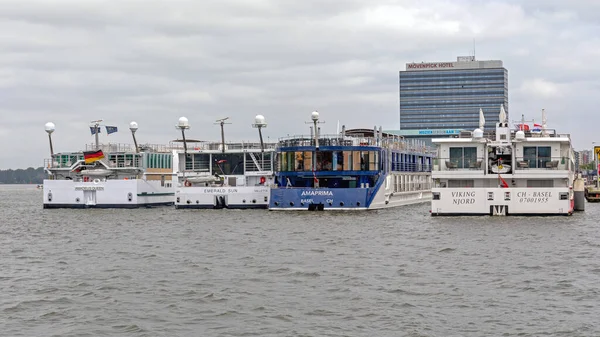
pixel 259 123
pixel 183 125
pixel 133 126
pixel 49 129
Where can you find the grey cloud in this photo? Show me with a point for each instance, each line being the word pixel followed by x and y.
pixel 153 61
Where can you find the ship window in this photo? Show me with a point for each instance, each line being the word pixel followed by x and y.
pixel 373 159
pixel 229 163
pixel 347 161
pixel 201 162
pixel 368 160
pixel 299 161
pixel 536 156
pixel 356 161
pixel 337 158
pixel 308 161
pixel 324 160
pixel 463 157
pixel 286 161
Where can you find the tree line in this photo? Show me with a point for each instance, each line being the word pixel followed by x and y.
pixel 20 176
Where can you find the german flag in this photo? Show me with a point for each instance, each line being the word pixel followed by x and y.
pixel 92 156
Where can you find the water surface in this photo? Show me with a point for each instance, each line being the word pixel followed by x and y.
pixel 397 272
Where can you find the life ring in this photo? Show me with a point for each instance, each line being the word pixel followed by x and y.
pixel 187 183
pixel 263 180
pixel 96 181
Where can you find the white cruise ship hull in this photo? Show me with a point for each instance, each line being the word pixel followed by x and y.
pixel 232 197
pixel 502 201
pixel 131 193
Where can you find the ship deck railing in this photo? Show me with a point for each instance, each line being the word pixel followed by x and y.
pixel 266 165
pixel 491 134
pixel 467 163
pixel 127 148
pixel 218 146
pixel 411 167
pixel 393 142
pixel 50 163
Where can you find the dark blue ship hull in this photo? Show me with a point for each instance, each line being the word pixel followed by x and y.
pixel 320 198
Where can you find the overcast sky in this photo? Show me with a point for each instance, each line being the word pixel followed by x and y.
pixel 74 61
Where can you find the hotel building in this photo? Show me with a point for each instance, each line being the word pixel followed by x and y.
pixel 443 98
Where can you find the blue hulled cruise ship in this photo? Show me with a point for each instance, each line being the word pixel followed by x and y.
pixel 356 169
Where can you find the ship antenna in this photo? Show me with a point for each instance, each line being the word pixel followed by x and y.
pixel 222 122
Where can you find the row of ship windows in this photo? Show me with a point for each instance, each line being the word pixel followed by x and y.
pixel 150 160
pixel 535 156
pixel 329 161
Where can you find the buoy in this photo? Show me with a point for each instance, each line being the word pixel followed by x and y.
pixel 263 180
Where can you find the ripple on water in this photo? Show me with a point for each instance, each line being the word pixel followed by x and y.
pixel 400 272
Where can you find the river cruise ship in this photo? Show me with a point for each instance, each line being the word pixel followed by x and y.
pixel 218 175
pixel 504 171
pixel 359 169
pixel 109 175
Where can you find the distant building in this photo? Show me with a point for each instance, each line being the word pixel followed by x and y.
pixel 586 157
pixel 443 98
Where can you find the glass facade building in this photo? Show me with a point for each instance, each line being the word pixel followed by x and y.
pixel 448 95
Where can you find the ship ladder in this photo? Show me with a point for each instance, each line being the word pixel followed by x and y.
pixel 255 161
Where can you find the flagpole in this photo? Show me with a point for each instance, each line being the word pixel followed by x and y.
pixel 97 128
pixel 96 132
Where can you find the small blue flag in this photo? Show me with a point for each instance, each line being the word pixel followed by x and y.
pixel 93 129
pixel 111 129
